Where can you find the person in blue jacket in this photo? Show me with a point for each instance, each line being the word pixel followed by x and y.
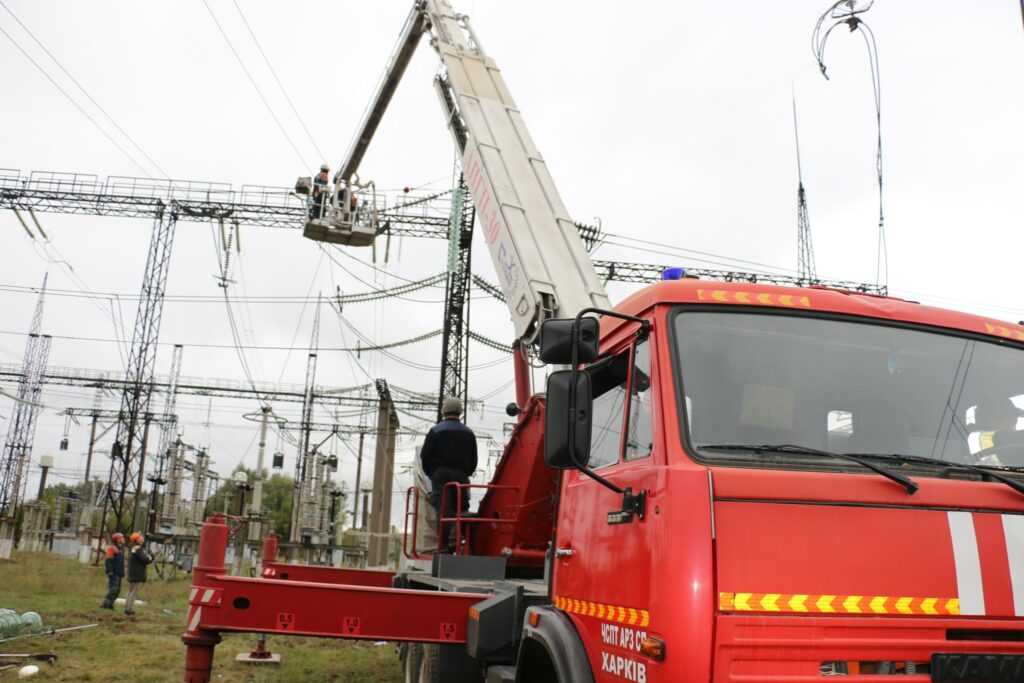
pixel 114 567
pixel 449 455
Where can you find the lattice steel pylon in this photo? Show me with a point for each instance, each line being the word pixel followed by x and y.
pixel 127 457
pixel 805 267
pixel 168 434
pixel 303 471
pixel 22 427
pixel 169 421
pixel 455 338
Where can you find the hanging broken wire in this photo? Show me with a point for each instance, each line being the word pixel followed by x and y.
pixel 848 13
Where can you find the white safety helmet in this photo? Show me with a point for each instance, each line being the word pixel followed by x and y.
pixel 325 167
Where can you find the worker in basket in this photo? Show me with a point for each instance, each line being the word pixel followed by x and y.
pixel 319 192
pixel 449 455
pixel 348 203
pixel 995 438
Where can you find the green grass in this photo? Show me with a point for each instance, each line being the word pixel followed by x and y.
pixel 148 647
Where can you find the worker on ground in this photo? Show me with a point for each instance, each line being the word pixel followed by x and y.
pixel 995 435
pixel 114 567
pixel 449 455
pixel 138 559
pixel 319 192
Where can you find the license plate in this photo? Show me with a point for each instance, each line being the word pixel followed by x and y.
pixel 977 668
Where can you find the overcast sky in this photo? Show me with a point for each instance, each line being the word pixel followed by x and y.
pixel 667 121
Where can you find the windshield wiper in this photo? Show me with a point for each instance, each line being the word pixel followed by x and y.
pixel 909 484
pixel 983 471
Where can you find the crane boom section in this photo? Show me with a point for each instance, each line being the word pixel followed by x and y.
pixel 407 43
pixel 541 262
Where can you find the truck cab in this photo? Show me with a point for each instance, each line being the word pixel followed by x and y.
pixel 812 502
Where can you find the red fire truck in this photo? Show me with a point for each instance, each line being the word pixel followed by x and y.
pixel 725 482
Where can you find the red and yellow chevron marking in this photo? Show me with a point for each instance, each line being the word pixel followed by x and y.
pixel 726 296
pixel 837 604
pixel 1008 332
pixel 622 615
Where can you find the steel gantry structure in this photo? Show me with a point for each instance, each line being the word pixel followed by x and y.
pixel 21 430
pixel 168 201
pixel 128 454
pixel 220 388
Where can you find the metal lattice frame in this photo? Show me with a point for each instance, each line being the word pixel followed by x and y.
pixel 805 267
pixel 127 458
pixel 280 208
pixel 805 250
pixel 455 340
pixel 256 205
pixel 216 388
pixel 169 420
pixel 22 427
pixel 168 433
pixel 302 469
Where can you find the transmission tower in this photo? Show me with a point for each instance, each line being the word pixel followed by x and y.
pixel 303 471
pixel 22 428
pixel 169 421
pixel 127 457
pixel 455 339
pixel 168 432
pixel 805 267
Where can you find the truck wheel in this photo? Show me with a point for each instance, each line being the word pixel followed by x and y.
pixel 430 664
pixel 412 653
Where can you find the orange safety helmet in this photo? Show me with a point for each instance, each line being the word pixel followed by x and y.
pixel 117 537
pixel 135 538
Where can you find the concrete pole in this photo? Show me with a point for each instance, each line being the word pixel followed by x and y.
pixel 383 473
pixel 92 442
pixel 256 505
pixel 42 480
pixel 359 474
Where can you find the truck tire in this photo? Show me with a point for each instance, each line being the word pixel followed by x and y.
pixel 411 654
pixel 430 664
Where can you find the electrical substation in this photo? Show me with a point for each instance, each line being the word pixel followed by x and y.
pixel 487 432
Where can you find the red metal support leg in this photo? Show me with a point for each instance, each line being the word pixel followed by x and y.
pixel 323 610
pixel 199 644
pixel 270 548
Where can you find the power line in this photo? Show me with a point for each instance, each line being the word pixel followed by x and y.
pixel 257 87
pixel 84 91
pixel 76 105
pixel 279 83
pixel 369 346
pixel 356 297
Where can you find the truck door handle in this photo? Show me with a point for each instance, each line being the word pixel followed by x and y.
pixel 565 553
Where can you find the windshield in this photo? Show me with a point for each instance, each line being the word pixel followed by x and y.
pixel 847 387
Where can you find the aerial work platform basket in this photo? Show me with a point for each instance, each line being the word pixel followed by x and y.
pixel 340 214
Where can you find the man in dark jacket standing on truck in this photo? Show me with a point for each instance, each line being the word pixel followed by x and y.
pixel 449 454
pixel 138 558
pixel 114 567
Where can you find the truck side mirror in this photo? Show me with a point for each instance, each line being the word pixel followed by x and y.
pixel 558 452
pixel 556 340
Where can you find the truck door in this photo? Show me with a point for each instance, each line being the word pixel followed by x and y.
pixel 601 575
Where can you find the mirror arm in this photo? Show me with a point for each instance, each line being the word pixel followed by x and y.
pixel 645 327
pixel 596 477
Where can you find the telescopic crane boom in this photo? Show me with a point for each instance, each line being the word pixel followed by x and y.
pixel 542 265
